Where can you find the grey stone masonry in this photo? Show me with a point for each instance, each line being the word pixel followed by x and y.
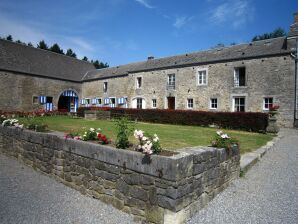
pixel 158 189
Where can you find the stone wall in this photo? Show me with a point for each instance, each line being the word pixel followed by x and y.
pixel 17 90
pixel 265 77
pixel 159 190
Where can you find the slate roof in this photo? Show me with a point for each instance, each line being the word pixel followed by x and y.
pixel 29 60
pixel 276 46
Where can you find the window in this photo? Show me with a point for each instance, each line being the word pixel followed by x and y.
pixel 171 81
pixel 87 101
pixel 113 102
pixel 202 77
pixel 267 103
pixel 105 87
pixel 190 103
pixel 139 103
pixel 153 103
pixel 239 104
pixel 139 82
pixel 98 101
pixel 35 100
pixel 213 103
pixel 49 99
pixel 239 77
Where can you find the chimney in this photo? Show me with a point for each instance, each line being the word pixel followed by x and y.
pixel 296 17
pixel 150 58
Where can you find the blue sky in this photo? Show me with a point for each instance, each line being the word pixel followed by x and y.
pixel 124 31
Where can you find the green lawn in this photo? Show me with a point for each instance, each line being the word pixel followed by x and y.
pixel 171 136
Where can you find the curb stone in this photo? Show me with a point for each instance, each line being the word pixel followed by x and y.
pixel 249 159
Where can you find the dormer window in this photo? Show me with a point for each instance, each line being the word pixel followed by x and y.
pixel 105 87
pixel 239 77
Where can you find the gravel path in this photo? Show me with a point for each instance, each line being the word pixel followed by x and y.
pixel 267 194
pixel 27 196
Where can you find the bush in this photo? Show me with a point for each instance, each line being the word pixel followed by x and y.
pixel 248 121
pixel 124 130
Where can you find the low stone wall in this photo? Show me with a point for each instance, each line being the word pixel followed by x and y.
pixel 158 189
pixel 94 115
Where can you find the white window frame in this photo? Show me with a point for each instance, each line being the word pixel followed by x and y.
pixel 171 81
pixel 237 77
pixel 105 87
pixel 264 102
pixel 188 103
pixel 139 85
pixel 234 104
pixel 97 101
pixel 211 104
pixel 86 101
pixel 154 103
pixel 138 99
pixel 206 77
pixel 114 98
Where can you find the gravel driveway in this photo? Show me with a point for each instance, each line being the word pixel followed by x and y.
pixel 267 194
pixel 27 196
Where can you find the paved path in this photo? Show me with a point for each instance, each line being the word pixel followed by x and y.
pixel 27 196
pixel 267 194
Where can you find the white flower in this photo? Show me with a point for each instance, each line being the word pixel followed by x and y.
pixel 144 138
pixel 138 134
pixel 219 132
pixel 92 129
pixel 224 136
pixel 98 129
pixel 148 142
pixel 156 139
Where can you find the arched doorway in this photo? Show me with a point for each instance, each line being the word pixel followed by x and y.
pixel 68 101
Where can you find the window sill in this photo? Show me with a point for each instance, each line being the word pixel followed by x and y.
pixel 239 87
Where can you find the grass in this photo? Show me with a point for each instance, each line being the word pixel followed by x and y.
pixel 172 137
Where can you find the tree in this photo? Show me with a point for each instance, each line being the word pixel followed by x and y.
pixel 9 37
pixel 278 32
pixel 70 53
pixel 85 58
pixel 99 65
pixel 30 44
pixel 42 45
pixel 56 48
pixel 19 42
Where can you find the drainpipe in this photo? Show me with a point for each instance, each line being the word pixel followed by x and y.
pixel 296 73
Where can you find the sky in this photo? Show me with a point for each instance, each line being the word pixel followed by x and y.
pixel 124 31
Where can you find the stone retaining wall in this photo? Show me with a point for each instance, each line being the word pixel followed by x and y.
pixel 158 189
pixel 94 115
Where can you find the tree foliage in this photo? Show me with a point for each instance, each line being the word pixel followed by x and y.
pixel 56 48
pixel 278 32
pixel 42 45
pixel 85 58
pixel 9 37
pixel 70 53
pixel 99 65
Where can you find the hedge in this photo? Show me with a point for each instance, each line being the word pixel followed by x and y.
pixel 248 121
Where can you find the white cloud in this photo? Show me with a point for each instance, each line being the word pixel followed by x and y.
pixel 145 3
pixel 19 31
pixel 235 12
pixel 81 43
pixel 181 21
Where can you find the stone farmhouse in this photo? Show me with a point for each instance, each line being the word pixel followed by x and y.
pixel 247 77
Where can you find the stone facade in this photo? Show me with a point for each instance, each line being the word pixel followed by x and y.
pixel 266 77
pixel 156 190
pixel 18 90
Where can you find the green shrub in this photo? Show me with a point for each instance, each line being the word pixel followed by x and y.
pixel 124 129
